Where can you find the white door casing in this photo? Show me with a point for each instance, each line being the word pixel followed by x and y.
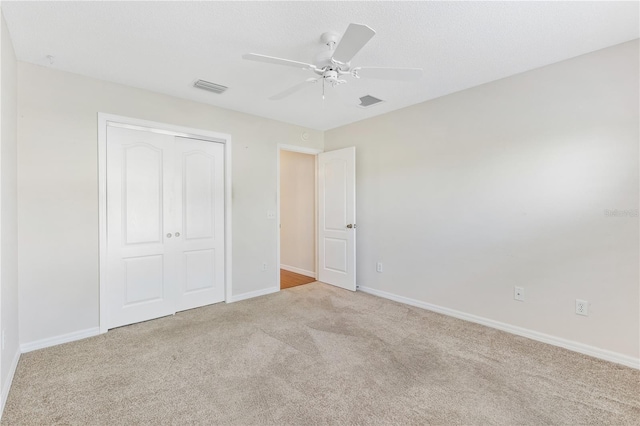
pixel 165 224
pixel 336 218
pixel 302 150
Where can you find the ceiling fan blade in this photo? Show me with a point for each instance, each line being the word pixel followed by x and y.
pixel 277 61
pixel 353 40
pixel 398 74
pixel 293 89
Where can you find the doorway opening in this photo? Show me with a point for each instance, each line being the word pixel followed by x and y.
pixel 297 207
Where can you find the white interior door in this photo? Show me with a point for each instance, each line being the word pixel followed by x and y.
pixel 336 218
pixel 200 236
pixel 140 267
pixel 165 224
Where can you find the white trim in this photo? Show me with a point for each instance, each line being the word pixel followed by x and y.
pixel 520 331
pixel 302 150
pixel 315 217
pixel 298 271
pixel 163 128
pixel 102 220
pixel 7 385
pixel 228 241
pixel 105 120
pixel 189 133
pixel 252 294
pixel 58 340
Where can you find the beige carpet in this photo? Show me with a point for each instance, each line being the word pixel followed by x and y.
pixel 312 355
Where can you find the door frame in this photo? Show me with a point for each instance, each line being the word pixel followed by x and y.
pixel 105 120
pixel 301 150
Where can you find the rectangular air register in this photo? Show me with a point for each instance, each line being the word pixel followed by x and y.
pixel 211 87
pixel 368 101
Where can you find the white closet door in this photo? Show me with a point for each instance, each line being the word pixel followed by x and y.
pixel 141 265
pixel 199 190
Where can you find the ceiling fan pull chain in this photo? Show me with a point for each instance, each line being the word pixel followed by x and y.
pixel 323 90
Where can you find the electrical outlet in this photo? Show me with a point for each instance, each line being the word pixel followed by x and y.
pixel 264 266
pixel 379 267
pixel 518 293
pixel 582 307
pixel 271 214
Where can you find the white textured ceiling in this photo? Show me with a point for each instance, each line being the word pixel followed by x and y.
pixel 165 46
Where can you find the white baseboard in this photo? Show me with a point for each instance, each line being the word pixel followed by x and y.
pixel 57 340
pixel 253 294
pixel 524 332
pixel 7 385
pixel 298 271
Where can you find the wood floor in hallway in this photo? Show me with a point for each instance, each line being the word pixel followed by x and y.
pixel 291 279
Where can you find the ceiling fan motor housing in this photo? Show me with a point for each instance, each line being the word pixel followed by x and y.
pixel 330 76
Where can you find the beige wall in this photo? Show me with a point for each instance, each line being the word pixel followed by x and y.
pixel 8 211
pixel 506 184
pixel 461 198
pixel 297 211
pixel 58 187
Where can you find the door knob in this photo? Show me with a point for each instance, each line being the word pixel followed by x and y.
pixel 177 234
pixel 169 235
pixel 351 225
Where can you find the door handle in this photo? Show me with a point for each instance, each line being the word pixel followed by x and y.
pixel 169 235
pixel 351 225
pixel 177 234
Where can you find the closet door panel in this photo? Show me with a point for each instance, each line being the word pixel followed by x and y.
pixel 165 224
pixel 201 215
pixel 199 194
pixel 140 268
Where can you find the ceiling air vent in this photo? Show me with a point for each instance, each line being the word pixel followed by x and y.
pixel 212 87
pixel 368 100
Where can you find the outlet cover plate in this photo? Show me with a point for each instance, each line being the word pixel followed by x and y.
pixel 518 293
pixel 582 307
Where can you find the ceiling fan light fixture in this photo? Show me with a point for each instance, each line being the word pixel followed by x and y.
pixel 211 87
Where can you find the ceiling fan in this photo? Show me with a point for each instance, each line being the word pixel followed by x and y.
pixel 332 65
